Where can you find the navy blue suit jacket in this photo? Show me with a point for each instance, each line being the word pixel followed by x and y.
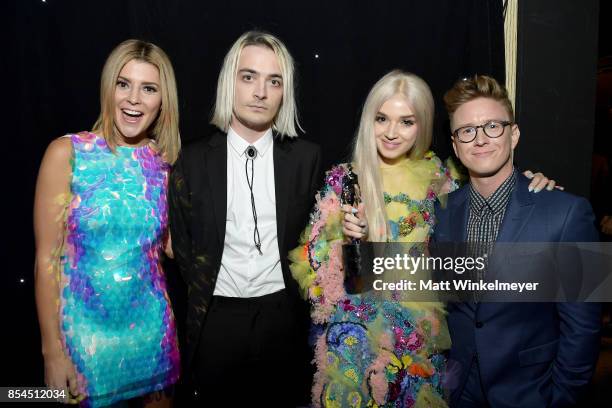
pixel 529 354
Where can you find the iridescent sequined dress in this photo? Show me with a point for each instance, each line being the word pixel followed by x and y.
pixel 116 319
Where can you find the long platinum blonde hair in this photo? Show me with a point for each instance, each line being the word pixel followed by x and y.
pixel 286 121
pixel 165 129
pixel 365 154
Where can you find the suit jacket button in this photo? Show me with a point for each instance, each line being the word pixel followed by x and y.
pixel 479 325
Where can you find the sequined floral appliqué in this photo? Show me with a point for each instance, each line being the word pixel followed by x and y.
pixel 372 351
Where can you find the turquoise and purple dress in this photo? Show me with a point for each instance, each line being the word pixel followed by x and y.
pixel 115 315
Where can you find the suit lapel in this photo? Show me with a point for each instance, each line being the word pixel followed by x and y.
pixel 516 218
pixel 216 166
pixel 518 212
pixel 459 216
pixel 282 180
pixel 459 223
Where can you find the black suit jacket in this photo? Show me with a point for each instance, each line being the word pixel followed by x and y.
pixel 197 215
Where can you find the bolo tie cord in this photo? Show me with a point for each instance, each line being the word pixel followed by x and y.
pixel 251 154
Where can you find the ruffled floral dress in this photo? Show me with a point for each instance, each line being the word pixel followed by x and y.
pixel 374 351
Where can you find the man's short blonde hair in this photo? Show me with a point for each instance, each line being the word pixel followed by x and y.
pixel 478 86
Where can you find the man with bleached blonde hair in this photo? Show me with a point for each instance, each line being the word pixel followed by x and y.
pixel 239 199
pixel 285 121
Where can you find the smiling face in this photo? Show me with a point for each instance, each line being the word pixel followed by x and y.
pixel 395 129
pixel 258 91
pixel 485 157
pixel 137 101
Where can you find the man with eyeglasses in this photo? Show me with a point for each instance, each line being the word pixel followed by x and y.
pixel 511 354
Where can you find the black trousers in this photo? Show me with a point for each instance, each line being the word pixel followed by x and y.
pixel 246 355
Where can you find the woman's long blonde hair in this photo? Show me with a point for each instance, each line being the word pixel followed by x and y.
pixel 165 129
pixel 365 154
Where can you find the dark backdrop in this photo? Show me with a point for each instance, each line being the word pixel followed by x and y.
pixel 56 50
pixel 555 103
pixel 341 49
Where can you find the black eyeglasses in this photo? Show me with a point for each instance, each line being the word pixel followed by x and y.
pixel 493 129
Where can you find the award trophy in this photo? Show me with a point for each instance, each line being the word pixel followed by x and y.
pixel 352 253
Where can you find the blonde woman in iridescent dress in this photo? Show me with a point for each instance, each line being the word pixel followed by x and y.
pixel 101 227
pixel 373 350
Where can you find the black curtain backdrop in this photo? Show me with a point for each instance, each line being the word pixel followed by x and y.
pixel 555 100
pixel 57 49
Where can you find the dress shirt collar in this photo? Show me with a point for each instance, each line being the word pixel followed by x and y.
pixel 497 201
pixel 240 145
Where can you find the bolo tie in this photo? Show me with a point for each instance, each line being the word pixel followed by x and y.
pixel 251 154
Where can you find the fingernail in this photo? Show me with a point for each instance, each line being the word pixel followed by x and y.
pixel 354 210
pixel 549 188
pixel 530 189
pixel 537 190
